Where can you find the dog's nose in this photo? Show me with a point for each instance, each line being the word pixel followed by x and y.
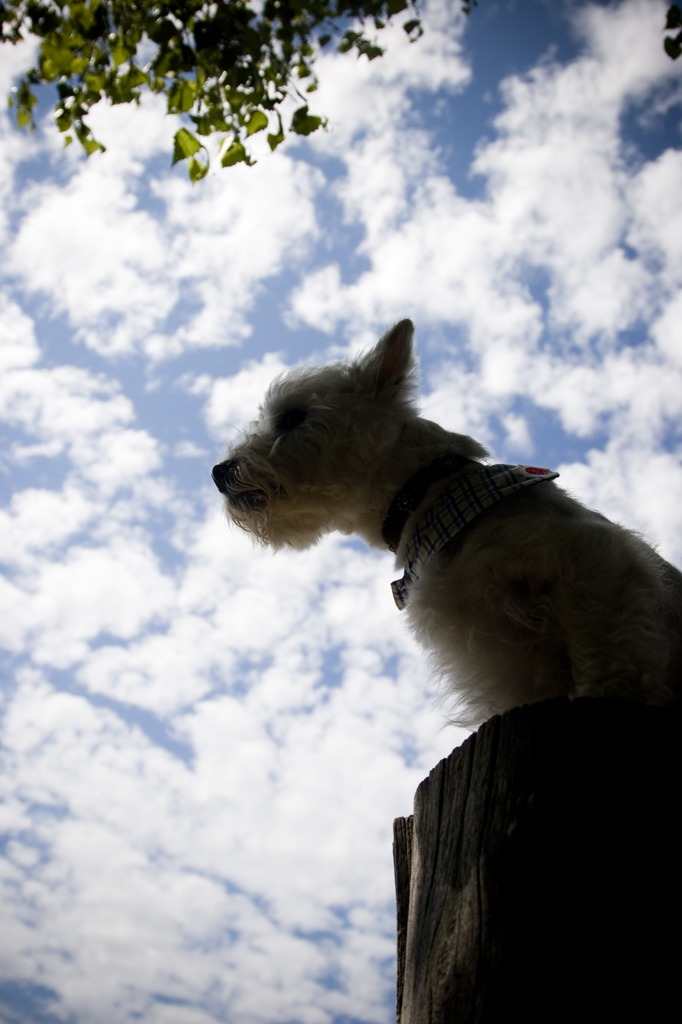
pixel 223 473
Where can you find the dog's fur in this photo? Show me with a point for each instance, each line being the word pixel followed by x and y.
pixel 539 597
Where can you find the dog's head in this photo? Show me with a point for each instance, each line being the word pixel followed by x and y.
pixel 311 461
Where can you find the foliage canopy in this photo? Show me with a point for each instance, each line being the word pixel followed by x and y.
pixel 673 23
pixel 224 66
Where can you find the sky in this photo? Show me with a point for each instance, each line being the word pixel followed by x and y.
pixel 203 745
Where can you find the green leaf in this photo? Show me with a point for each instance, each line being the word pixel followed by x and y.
pixel 672 47
pixel 91 146
pixel 673 17
pixel 414 29
pixel 184 145
pixel 56 60
pixel 277 138
pixel 181 96
pixel 234 154
pixel 211 121
pixel 26 101
pixel 95 81
pixel 303 123
pixel 121 52
pixel 161 32
pixel 42 20
pixel 235 99
pixel 348 41
pixel 63 120
pixel 197 169
pixel 370 50
pixel 134 77
pixel 24 118
pixel 256 123
pixel 396 6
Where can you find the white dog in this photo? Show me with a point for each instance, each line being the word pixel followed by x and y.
pixel 517 591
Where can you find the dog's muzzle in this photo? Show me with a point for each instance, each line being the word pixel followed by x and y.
pixel 226 478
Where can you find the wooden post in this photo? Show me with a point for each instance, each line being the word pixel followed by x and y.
pixel 539 877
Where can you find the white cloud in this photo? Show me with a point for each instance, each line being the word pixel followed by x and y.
pixel 38 521
pixel 215 866
pixel 232 402
pixel 656 226
pixel 18 345
pixel 100 260
pixel 227 237
pixel 17 146
pixel 66 410
pixel 189 450
pixel 128 280
pixel 557 198
pixel 63 402
pixel 368 98
pixel 132 136
pixel 634 389
pixel 519 436
pixel 665 332
pixel 58 608
pixel 635 486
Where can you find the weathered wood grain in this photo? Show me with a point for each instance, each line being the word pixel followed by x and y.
pixel 539 877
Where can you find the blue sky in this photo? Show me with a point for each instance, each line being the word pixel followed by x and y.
pixel 204 745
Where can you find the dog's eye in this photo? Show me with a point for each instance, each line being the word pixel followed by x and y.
pixel 290 419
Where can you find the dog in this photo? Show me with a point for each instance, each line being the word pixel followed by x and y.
pixel 516 590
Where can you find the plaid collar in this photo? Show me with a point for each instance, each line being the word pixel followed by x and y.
pixel 457 505
pixel 411 494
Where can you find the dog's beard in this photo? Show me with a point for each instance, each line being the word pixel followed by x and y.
pixel 249 510
pixel 239 486
pixel 247 499
pixel 272 519
pixel 244 502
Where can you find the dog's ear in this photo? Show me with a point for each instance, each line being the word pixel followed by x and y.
pixel 390 364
